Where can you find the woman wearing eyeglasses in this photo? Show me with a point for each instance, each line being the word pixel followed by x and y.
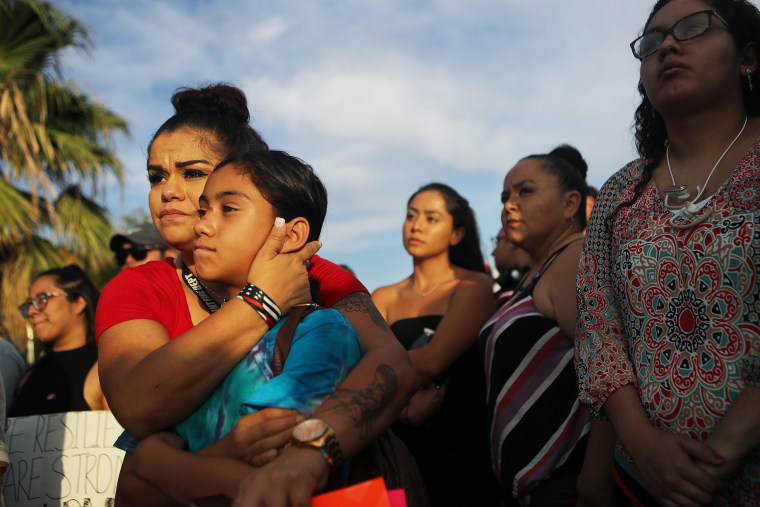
pixel 61 311
pixel 668 343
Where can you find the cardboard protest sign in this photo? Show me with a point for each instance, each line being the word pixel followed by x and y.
pixel 65 459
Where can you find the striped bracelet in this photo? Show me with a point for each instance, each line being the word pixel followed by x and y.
pixel 263 304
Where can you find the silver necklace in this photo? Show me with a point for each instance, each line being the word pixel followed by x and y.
pixel 687 209
pixel 423 294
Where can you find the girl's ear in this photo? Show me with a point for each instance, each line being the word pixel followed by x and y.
pixel 296 234
pixel 456 236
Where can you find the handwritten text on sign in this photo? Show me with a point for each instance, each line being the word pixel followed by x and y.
pixel 65 459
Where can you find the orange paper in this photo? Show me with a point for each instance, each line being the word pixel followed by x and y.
pixel 365 494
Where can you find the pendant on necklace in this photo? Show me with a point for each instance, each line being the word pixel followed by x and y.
pixel 424 294
pixel 687 209
pixel 677 191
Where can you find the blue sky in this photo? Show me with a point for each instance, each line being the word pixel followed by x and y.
pixel 379 97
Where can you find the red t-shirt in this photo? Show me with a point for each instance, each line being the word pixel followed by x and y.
pixel 153 291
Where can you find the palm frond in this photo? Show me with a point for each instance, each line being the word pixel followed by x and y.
pixel 33 33
pixel 19 218
pixel 82 227
pixel 23 137
pixel 52 137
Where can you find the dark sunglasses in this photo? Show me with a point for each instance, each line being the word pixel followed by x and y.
pixel 39 302
pixel 138 253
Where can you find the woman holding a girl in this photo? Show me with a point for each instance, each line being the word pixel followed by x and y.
pixel 163 349
pixel 242 198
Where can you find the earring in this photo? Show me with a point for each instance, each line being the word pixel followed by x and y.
pixel 749 78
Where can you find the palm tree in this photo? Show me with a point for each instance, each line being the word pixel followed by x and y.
pixel 54 141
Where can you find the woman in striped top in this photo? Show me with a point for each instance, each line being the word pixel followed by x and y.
pixel 538 429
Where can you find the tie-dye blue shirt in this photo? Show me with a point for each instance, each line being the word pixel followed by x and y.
pixel 324 349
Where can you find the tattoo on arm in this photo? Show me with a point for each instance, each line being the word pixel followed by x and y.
pixel 362 302
pixel 365 406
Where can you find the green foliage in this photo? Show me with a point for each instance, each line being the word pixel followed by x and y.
pixel 54 141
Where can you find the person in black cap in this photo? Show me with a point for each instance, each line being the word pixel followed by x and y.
pixel 139 245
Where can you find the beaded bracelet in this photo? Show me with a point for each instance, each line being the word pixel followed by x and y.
pixel 263 304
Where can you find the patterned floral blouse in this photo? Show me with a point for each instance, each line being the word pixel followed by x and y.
pixel 675 312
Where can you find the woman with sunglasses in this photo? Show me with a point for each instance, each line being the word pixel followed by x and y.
pixel 163 348
pixel 61 311
pixel 668 343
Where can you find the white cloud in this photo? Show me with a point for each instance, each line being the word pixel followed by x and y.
pixel 380 97
pixel 268 31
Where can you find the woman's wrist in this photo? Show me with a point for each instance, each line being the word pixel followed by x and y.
pixel 151 450
pixel 628 418
pixel 262 303
pixel 145 456
pixel 736 435
pixel 310 460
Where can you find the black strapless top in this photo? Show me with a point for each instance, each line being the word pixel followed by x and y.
pixel 408 330
pixel 451 448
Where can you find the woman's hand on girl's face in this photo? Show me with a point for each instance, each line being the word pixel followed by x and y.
pixel 283 277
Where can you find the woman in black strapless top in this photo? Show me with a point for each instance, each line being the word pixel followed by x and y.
pixel 436 314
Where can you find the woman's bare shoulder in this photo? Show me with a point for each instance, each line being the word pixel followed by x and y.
pixel 393 288
pixel 473 287
pixel 388 293
pixel 564 268
pixel 569 258
pixel 468 277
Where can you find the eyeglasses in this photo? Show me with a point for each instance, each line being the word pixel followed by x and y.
pixel 688 27
pixel 39 302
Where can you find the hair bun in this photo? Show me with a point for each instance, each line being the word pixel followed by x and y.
pixel 572 156
pixel 219 98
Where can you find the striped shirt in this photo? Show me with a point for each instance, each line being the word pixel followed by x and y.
pixel 536 423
